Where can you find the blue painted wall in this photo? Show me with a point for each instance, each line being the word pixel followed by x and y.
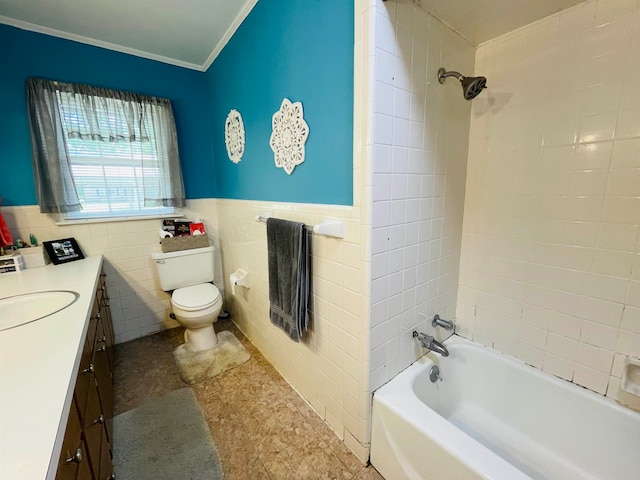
pixel 302 50
pixel 299 49
pixel 24 54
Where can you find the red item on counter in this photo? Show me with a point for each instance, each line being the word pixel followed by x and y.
pixel 197 227
pixel 5 235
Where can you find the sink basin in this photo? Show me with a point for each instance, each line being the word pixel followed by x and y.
pixel 20 309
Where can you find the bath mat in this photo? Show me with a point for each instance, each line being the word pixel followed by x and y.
pixel 165 438
pixel 195 367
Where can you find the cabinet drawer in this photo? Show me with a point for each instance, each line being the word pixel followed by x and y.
pixel 84 470
pixel 72 453
pixel 85 377
pixel 106 466
pixel 93 426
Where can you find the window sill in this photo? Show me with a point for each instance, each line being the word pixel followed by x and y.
pixel 130 218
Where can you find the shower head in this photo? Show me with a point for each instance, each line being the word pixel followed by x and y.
pixel 471 86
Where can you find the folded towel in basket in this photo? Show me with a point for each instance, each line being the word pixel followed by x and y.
pixel 289 250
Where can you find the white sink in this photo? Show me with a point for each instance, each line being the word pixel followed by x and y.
pixel 20 309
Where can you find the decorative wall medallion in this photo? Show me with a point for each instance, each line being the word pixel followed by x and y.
pixel 289 135
pixel 234 136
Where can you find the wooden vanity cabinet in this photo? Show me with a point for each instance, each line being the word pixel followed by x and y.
pixel 72 451
pixel 86 452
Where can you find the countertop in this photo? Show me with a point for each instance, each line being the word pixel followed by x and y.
pixel 38 369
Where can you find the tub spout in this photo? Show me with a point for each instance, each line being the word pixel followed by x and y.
pixel 430 343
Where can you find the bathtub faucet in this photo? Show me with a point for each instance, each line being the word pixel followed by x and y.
pixel 430 343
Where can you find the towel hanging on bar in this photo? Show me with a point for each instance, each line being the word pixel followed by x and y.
pixel 289 252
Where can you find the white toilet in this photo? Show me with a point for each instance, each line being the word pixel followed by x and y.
pixel 195 301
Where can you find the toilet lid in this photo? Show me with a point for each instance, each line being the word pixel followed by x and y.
pixel 195 297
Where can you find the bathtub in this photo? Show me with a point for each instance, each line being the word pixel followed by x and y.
pixel 493 417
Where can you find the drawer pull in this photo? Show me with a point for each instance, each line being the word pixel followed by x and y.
pixel 112 477
pixel 100 419
pixel 103 348
pixel 89 369
pixel 76 457
pixel 103 339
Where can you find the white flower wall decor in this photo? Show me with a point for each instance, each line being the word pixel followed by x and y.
pixel 289 135
pixel 234 136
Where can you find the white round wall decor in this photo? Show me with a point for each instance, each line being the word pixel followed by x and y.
pixel 234 136
pixel 289 135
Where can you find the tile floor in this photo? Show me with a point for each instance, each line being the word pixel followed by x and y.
pixel 261 427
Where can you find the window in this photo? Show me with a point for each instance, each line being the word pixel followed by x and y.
pixel 115 153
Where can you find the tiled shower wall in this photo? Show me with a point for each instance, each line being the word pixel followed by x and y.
pixel 420 140
pixel 550 269
pixel 138 305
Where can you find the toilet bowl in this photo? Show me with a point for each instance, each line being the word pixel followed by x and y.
pixel 196 308
pixel 195 301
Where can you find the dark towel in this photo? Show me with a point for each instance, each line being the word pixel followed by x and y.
pixel 288 245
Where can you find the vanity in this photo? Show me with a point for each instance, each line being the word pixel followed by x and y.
pixel 56 377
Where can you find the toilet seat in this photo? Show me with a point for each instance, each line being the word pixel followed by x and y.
pixel 196 297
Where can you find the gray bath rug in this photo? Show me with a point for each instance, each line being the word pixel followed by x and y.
pixel 198 366
pixel 165 438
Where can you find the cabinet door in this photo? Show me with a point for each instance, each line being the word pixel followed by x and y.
pixel 84 470
pixel 105 314
pixel 104 380
pixel 93 426
pixel 106 467
pixel 72 453
pixel 84 379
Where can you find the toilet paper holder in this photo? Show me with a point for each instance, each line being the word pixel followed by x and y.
pixel 241 278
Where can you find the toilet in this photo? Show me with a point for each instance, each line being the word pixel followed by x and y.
pixel 195 301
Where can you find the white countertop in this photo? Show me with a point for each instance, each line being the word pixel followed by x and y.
pixel 38 369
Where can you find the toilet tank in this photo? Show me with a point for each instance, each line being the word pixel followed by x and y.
pixel 184 268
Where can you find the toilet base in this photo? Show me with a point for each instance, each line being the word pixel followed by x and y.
pixel 199 339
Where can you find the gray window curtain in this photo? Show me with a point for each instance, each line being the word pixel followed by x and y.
pixel 105 115
pixel 55 188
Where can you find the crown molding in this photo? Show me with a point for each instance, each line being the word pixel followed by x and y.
pixel 242 14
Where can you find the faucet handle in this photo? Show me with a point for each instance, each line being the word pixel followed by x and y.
pixel 441 322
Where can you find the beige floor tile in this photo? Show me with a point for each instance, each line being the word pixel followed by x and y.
pixel 306 462
pixel 262 428
pixel 368 473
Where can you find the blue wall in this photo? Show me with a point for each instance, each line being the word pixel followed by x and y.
pixel 302 50
pixel 24 54
pixel 299 49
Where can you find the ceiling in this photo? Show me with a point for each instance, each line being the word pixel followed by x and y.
pixel 188 33
pixel 481 20
pixel 191 33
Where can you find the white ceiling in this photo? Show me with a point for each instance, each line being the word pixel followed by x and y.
pixel 191 33
pixel 481 20
pixel 188 33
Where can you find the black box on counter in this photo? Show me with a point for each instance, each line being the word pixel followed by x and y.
pixel 183 228
pixel 168 225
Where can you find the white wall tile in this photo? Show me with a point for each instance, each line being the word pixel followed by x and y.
pixel 568 209
pixel 409 253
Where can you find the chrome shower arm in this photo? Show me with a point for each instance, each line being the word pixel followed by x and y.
pixel 442 74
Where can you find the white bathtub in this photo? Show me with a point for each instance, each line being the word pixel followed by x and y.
pixel 493 417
